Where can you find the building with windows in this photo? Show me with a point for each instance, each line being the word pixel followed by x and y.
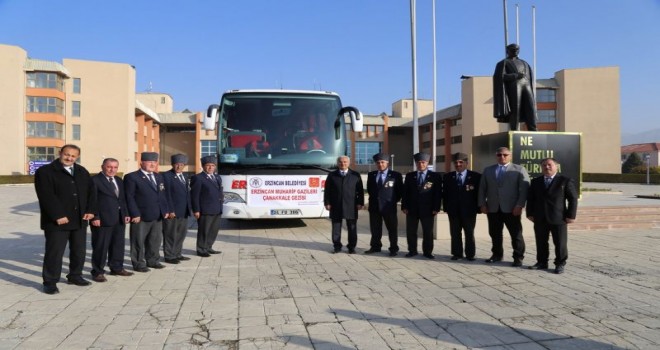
pixel 575 100
pixel 361 146
pixel 643 150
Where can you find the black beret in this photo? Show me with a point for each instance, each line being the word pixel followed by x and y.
pixel 459 156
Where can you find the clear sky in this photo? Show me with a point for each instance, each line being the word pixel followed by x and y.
pixel 194 50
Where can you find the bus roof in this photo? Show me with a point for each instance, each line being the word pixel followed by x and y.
pixel 279 91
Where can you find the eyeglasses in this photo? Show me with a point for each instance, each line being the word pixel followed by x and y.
pixel 503 154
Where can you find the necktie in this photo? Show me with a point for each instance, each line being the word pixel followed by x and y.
pixel 548 180
pixel 70 170
pixel 152 180
pixel 180 176
pixel 380 179
pixel 420 178
pixel 343 173
pixel 459 178
pixel 500 171
pixel 114 185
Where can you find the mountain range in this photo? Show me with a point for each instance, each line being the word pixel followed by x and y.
pixel 648 136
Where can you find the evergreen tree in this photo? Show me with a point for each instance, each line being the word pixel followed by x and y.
pixel 634 160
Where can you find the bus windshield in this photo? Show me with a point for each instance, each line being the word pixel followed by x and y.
pixel 279 129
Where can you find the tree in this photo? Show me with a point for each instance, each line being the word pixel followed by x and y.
pixel 634 160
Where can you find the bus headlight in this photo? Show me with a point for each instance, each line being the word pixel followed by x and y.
pixel 233 197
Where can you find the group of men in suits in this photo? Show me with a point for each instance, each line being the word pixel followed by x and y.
pixel 157 206
pixel 501 193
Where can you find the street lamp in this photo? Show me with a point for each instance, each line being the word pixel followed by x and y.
pixel 647 158
pixel 392 161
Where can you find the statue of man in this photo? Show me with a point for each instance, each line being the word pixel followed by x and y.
pixel 513 95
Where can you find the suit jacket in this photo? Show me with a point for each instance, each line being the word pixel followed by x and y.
pixel 422 200
pixel 206 195
pixel 61 195
pixel 178 194
pixel 461 201
pixel 143 200
pixel 383 198
pixel 505 193
pixel 554 204
pixel 343 194
pixel 111 209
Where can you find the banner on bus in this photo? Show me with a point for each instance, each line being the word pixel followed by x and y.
pixel 284 191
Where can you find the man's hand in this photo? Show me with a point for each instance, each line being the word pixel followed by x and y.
pixel 88 216
pixel 517 210
pixel 196 214
pixel 96 223
pixel 484 209
pixel 127 219
pixel 62 221
pixel 135 220
pixel 569 221
pixel 327 207
pixel 359 207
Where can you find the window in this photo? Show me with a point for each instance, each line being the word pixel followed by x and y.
pixel 546 95
pixel 457 139
pixel 379 129
pixel 439 159
pixel 371 130
pixel 42 153
pixel 45 80
pixel 209 148
pixel 440 142
pixel 365 150
pixel 162 100
pixel 75 132
pixel 426 144
pixel 76 85
pixel 547 116
pixel 348 148
pixel 45 105
pixel 45 129
pixel 75 108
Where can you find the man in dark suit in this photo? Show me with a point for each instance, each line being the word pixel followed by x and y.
pixel 148 205
pixel 207 197
pixel 421 202
pixel 66 201
pixel 109 222
pixel 551 205
pixel 459 201
pixel 343 197
pixel 385 188
pixel 502 195
pixel 175 227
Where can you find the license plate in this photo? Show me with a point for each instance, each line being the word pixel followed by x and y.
pixel 285 212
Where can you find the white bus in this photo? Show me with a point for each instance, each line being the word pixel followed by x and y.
pixel 275 149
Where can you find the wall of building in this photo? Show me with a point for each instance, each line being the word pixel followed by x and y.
pixel 157 102
pixel 588 102
pixel 404 108
pixel 107 112
pixel 12 110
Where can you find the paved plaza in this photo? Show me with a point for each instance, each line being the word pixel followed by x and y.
pixel 276 286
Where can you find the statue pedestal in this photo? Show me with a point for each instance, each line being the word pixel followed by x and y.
pixel 529 148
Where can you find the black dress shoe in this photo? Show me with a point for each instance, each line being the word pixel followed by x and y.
pixel 211 251
pixel 172 261
pixel 471 258
pixel 456 257
pixel 100 278
pixel 351 251
pixel 429 256
pixel 157 266
pixel 538 266
pixel 371 251
pixel 411 254
pixel 78 281
pixel 493 259
pixel 183 258
pixel 335 250
pixel 516 263
pixel 559 269
pixel 204 255
pixel 393 253
pixel 51 289
pixel 142 269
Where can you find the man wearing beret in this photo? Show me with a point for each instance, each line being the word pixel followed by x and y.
pixel 385 188
pixel 207 198
pixel 460 202
pixel 66 201
pixel 343 197
pixel 421 202
pixel 148 205
pixel 175 227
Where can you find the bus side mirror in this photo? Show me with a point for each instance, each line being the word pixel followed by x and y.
pixel 356 117
pixel 211 118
